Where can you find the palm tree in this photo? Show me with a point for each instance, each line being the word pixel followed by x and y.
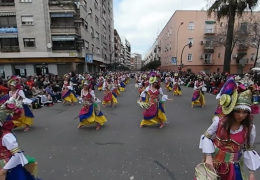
pixel 230 9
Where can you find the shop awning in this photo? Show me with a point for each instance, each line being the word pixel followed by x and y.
pixel 8 30
pixel 63 38
pixel 2 36
pixel 7 13
pixel 210 22
pixel 58 15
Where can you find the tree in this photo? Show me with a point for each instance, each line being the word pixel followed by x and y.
pixel 220 38
pixel 151 65
pixel 230 9
pixel 255 35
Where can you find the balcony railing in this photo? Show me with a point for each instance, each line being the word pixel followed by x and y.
pixel 10 49
pixel 209 31
pixel 65 48
pixel 242 47
pixel 7 3
pixel 208 62
pixel 65 29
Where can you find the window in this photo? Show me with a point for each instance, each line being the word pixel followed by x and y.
pixel 209 28
pixel 84 2
pixel 27 20
pixel 86 25
pixel 243 27
pixel 90 12
pixel 9 42
pixel 97 35
pixel 8 21
pixel 92 31
pixel 189 57
pixel 190 40
pixel 29 42
pixel 191 25
pixel 96 4
pixel 208 43
pixel 86 44
pixel 93 50
pixel 96 20
pixel 98 50
pixel 207 57
pixel 25 1
pixel 171 31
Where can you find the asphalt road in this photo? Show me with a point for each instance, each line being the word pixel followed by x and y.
pixel 120 149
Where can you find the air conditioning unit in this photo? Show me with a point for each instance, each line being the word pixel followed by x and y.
pixel 201 56
pixel 201 42
pixel 252 58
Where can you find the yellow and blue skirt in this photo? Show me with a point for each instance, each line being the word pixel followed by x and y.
pixel 88 116
pixel 168 87
pixel 122 86
pixel 69 96
pixel 28 172
pixel 154 115
pixel 177 91
pixel 127 80
pixel 25 118
pixel 110 98
pixel 198 98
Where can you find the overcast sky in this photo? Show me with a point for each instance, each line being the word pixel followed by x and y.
pixel 140 21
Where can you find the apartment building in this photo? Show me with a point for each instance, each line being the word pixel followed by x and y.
pixel 196 27
pixel 136 61
pixel 126 52
pixel 152 53
pixel 55 36
pixel 117 47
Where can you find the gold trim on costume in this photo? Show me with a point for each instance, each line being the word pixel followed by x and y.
pixel 206 134
pixel 15 150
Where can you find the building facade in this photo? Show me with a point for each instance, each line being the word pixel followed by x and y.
pixel 197 28
pixel 136 61
pixel 126 52
pixel 56 38
pixel 117 47
pixel 152 53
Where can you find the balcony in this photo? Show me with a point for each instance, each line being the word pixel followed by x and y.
pixel 208 62
pixel 242 47
pixel 209 49
pixel 65 48
pixel 7 3
pixel 62 6
pixel 57 29
pixel 6 49
pixel 209 31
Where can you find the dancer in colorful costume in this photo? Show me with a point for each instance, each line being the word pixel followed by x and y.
pixel 229 141
pixel 109 96
pixel 68 94
pixel 90 112
pixel 198 97
pixel 116 85
pixel 13 164
pixel 100 83
pixel 176 85
pixel 168 82
pixel 25 117
pixel 122 84
pixel 154 113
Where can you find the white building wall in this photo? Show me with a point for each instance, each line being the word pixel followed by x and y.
pixel 8 69
pixel 30 70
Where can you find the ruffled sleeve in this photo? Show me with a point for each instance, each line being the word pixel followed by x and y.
pixel 9 141
pixel 206 143
pixel 161 92
pixel 251 157
pixel 143 93
pixel 21 94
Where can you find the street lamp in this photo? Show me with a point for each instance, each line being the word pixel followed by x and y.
pixel 177 42
pixel 111 57
pixel 190 45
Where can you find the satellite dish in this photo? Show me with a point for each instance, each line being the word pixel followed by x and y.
pixel 49 45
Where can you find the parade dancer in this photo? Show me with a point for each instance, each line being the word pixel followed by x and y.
pixel 116 85
pixel 198 97
pixel 14 165
pixel 25 117
pixel 100 83
pixel 122 84
pixel 90 112
pixel 68 94
pixel 155 113
pixel 168 82
pixel 176 85
pixel 109 96
pixel 229 142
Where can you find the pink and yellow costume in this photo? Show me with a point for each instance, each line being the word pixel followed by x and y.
pixel 198 97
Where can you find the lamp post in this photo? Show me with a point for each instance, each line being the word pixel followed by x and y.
pixel 177 42
pixel 190 45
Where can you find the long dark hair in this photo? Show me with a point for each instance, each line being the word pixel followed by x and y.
pixel 247 123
